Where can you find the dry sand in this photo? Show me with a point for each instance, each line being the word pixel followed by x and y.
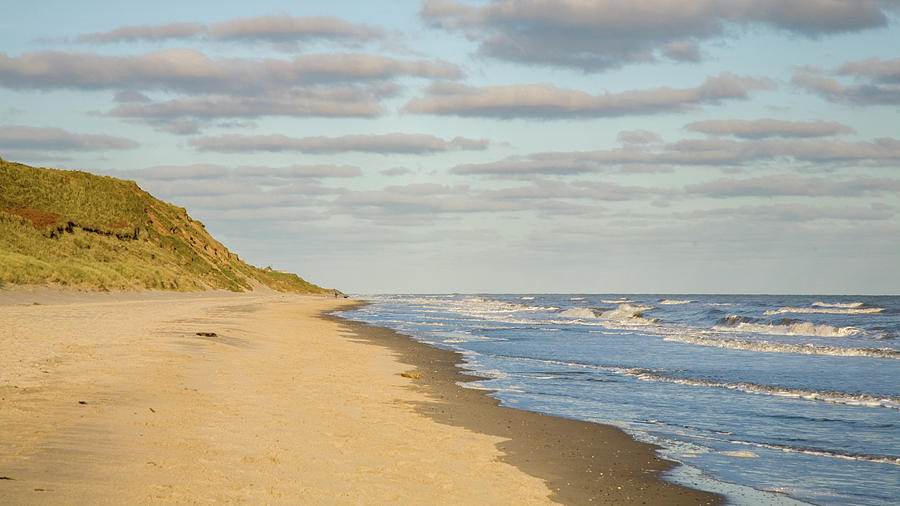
pixel 116 399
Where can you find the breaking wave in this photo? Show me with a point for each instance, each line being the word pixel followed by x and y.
pixel 579 312
pixel 791 329
pixel 625 313
pixel 838 304
pixel 753 388
pixel 826 310
pixel 809 451
pixel 675 301
pixel 767 347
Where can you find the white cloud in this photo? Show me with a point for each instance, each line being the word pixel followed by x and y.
pixel 548 101
pixel 762 128
pixel 600 34
pixel 275 29
pixel 385 143
pixel 56 139
pixel 875 82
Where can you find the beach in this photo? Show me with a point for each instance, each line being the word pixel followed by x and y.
pixel 262 398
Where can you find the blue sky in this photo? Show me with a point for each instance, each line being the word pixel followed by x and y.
pixel 728 146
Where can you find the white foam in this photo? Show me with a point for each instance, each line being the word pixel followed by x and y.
pixel 616 301
pixel 810 451
pixel 825 310
pixel 767 347
pixel 675 301
pixel 579 312
pixel 838 304
pixel 625 311
pixel 849 399
pixel 577 298
pixel 793 329
pixel 743 454
pixel 527 298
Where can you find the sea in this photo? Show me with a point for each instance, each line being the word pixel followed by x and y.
pixel 767 399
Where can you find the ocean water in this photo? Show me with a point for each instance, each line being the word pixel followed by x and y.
pixel 794 396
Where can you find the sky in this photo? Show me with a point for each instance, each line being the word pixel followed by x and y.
pixel 509 146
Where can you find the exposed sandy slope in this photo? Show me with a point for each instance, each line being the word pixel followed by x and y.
pixel 114 399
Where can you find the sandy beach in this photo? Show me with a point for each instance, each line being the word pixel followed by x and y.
pixel 261 399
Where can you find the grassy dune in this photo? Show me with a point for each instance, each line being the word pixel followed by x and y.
pixel 91 232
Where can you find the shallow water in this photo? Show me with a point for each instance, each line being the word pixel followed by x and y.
pixel 798 395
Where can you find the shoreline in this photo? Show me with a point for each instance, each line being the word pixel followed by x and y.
pixel 263 398
pixel 581 462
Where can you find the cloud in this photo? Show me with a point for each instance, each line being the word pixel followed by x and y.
pixel 603 34
pixel 812 150
pixel 548 101
pixel 415 199
pixel 396 171
pixel 212 171
pixel 339 101
pixel 180 126
pixel 300 171
pixel 275 29
pixel 127 96
pixel 291 29
pixel 875 82
pixel 873 68
pixel 638 137
pixel 542 196
pixel 795 213
pixel 190 71
pixel 762 128
pixel 716 152
pixel 242 188
pixel 177 172
pixel 56 139
pixel 145 32
pixel 386 143
pixel 792 185
pixel 682 51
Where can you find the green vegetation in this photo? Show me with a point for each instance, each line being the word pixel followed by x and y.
pixel 91 232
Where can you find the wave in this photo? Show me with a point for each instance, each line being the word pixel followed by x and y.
pixel 808 451
pixel 577 298
pixel 767 347
pixel 624 313
pixel 838 304
pixel 675 301
pixel 746 387
pixel 734 319
pixel 753 388
pixel 480 306
pixel 527 298
pixel 826 310
pixel 616 301
pixel 579 312
pixel 791 329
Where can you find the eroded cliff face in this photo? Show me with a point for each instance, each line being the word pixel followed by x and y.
pixel 94 232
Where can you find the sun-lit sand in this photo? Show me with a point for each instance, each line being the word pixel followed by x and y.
pixel 116 399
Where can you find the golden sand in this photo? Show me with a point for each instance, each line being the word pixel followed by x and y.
pixel 211 398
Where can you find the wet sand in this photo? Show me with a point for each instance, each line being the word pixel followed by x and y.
pixel 581 462
pixel 259 398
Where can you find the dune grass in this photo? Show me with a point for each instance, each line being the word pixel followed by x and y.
pixel 84 231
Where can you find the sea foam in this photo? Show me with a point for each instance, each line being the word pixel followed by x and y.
pixel 777 391
pixel 838 304
pixel 792 329
pixel 767 347
pixel 825 310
